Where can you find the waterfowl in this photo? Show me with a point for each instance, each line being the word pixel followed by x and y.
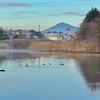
pixel 26 64
pixel 2 70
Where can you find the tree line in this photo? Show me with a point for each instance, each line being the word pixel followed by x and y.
pixel 90 27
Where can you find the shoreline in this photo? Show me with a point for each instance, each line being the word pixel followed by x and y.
pixel 43 51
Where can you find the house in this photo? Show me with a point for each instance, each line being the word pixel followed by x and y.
pixel 12 33
pixel 28 34
pixel 18 33
pixel 68 37
pixel 36 35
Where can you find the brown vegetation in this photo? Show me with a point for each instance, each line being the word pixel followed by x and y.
pixel 4 46
pixel 64 46
pixel 90 28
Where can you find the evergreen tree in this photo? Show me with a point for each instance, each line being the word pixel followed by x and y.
pixel 2 36
pixel 1 30
pixel 92 15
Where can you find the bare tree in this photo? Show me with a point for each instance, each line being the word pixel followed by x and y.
pixel 92 32
pixel 88 31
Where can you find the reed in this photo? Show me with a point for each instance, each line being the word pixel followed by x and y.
pixel 4 46
pixel 65 46
pixel 68 46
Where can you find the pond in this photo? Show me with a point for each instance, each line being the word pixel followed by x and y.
pixel 49 76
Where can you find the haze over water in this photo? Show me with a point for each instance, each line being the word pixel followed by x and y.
pixel 49 76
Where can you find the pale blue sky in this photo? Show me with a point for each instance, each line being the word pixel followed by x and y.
pixel 28 14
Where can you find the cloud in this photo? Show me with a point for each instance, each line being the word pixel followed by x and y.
pixel 25 12
pixel 22 4
pixel 13 17
pixel 66 13
pixel 15 4
pixel 74 13
pixel 54 14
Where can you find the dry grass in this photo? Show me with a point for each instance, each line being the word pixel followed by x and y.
pixel 4 46
pixel 67 46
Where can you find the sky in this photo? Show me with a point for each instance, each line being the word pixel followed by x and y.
pixel 28 14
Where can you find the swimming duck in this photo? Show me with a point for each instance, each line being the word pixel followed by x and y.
pixel 2 70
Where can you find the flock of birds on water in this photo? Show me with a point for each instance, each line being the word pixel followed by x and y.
pixel 43 64
pixel 2 70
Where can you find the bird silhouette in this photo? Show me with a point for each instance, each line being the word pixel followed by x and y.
pixel 2 70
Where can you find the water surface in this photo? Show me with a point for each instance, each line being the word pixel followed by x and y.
pixel 49 76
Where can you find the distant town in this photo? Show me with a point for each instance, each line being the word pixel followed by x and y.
pixel 31 34
pixel 61 31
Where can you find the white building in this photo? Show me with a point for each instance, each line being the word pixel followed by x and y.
pixel 54 36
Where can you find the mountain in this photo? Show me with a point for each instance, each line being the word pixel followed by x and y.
pixel 61 27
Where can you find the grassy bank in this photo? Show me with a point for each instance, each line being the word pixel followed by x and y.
pixel 66 46
pixel 4 45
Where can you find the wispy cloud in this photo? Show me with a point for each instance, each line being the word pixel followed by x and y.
pixel 15 4
pixel 22 4
pixel 73 13
pixel 54 14
pixel 13 17
pixel 66 13
pixel 25 12
pixel 28 13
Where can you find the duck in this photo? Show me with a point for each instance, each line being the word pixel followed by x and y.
pixel 2 70
pixel 26 64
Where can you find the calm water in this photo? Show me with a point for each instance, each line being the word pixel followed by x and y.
pixel 49 76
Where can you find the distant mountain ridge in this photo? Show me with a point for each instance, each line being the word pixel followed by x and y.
pixel 61 27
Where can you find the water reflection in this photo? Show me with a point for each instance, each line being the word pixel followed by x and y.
pixel 49 76
pixel 90 68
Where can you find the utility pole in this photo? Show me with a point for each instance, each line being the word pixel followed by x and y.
pixel 16 27
pixel 39 31
pixel 39 27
